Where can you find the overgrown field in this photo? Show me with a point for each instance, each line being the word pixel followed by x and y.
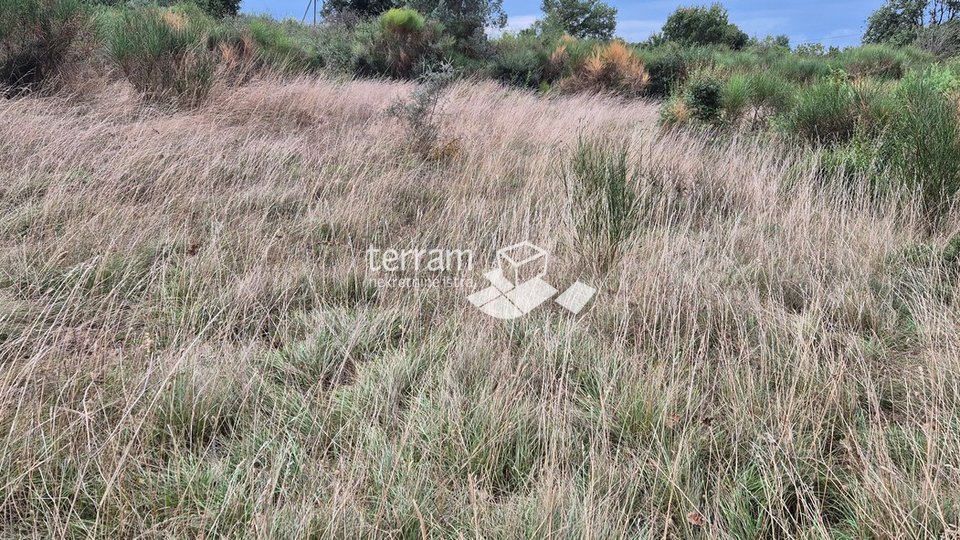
pixel 192 345
pixel 885 115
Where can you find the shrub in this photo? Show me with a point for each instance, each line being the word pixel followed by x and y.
pixel 703 26
pixel 402 21
pixel 703 98
pixel 520 67
pixel 824 112
pixel 767 94
pixel 877 105
pixel 874 61
pixel 284 46
pixel 667 68
pixel 940 40
pixel 800 69
pixel 403 43
pixel 36 37
pixel 923 142
pixel 675 112
pixel 219 8
pixel 602 187
pixel 612 68
pixel 419 113
pixel 523 61
pixel 736 97
pixel 738 61
pixel 236 50
pixel 857 157
pixel 355 49
pixel 162 54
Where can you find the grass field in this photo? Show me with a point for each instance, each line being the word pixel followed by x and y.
pixel 192 345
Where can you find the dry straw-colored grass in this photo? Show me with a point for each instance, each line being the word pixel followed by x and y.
pixel 190 346
pixel 612 68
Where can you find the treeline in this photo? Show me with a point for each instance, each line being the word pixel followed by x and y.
pixel 173 49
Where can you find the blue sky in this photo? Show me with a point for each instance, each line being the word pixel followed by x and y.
pixel 828 22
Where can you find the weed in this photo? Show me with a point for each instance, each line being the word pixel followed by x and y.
pixel 601 183
pixel 419 114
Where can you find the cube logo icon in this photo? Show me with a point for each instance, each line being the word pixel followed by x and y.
pixel 517 286
pixel 522 262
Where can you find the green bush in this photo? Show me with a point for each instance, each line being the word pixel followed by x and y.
pixel 761 95
pixel 342 47
pixel 520 66
pixel 877 105
pixel 162 53
pixel 355 48
pixel 857 157
pixel 36 37
pixel 405 43
pixel 602 185
pixel 700 25
pixel 528 60
pixel 875 61
pixel 923 142
pixel 668 67
pixel 402 20
pixel 219 8
pixel 824 112
pixel 738 61
pixel 284 46
pixel 703 97
pixel 736 97
pixel 801 69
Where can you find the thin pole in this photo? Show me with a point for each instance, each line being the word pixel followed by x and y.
pixel 306 11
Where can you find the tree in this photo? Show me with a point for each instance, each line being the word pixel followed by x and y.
pixel 781 40
pixel 214 8
pixel 466 20
pixel 220 8
pixel 899 22
pixel 703 26
pixel 363 8
pixel 582 18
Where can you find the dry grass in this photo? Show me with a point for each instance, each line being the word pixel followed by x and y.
pixel 612 68
pixel 191 348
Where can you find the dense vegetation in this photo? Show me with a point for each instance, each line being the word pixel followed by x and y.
pixel 886 111
pixel 192 344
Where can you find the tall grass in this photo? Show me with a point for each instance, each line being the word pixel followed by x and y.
pixel 826 112
pixel 923 142
pixel 36 38
pixel 162 53
pixel 602 186
pixel 191 347
pixel 283 46
pixel 756 96
pixel 612 68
